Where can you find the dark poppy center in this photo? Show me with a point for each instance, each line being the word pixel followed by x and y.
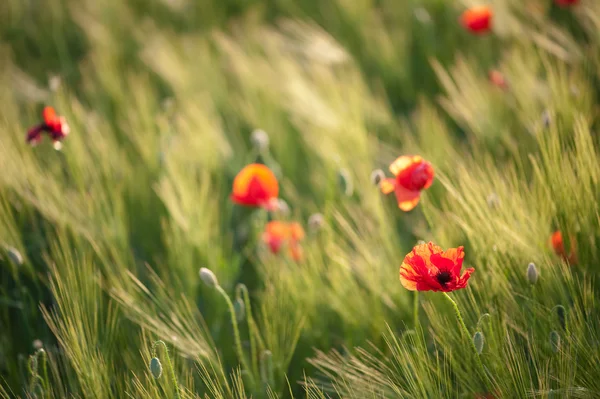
pixel 444 277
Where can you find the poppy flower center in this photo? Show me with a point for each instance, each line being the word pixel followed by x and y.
pixel 444 277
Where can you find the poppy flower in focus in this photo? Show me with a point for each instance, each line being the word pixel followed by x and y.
pixel 54 125
pixel 477 19
pixel 566 3
pixel 412 175
pixel 278 234
pixel 556 240
pixel 429 268
pixel 497 79
pixel 256 186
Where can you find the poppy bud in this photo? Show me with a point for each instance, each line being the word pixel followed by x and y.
pixel 266 367
pixel 555 341
pixel 562 317
pixel 208 277
pixel 155 367
pixel 37 344
pixel 15 256
pixel 54 82
pixel 283 207
pixel 260 140
pixel 345 182
pixel 532 273
pixel 240 309
pixel 377 176
pixel 315 221
pixel 546 118
pixel 493 201
pixel 479 341
pixel 422 15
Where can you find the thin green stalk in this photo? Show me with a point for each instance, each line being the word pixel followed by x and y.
pixel 416 310
pixel 466 333
pixel 236 331
pixel 172 370
pixel 253 331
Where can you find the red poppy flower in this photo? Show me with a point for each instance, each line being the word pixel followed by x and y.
pixel 256 185
pixel 477 19
pixel 429 268
pixel 413 174
pixel 55 126
pixel 497 79
pixel 556 240
pixel 277 234
pixel 566 3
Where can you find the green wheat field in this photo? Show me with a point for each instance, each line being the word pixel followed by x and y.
pixel 102 241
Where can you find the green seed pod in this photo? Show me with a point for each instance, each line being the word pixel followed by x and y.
pixel 479 341
pixel 555 341
pixel 345 182
pixel 208 277
pixel 15 256
pixel 155 367
pixel 240 309
pixel 561 313
pixel 377 176
pixel 532 273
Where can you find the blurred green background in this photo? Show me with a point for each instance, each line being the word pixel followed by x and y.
pixel 101 243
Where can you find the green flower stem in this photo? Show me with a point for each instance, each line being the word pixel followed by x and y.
pixel 465 331
pixel 45 381
pixel 172 370
pixel 416 310
pixel 242 290
pixel 236 332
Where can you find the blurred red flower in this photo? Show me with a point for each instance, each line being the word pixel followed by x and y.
pixel 278 234
pixel 497 79
pixel 477 19
pixel 256 186
pixel 412 175
pixel 566 3
pixel 556 240
pixel 429 268
pixel 55 126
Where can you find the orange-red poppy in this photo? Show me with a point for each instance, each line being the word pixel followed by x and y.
pixel 477 19
pixel 497 79
pixel 54 125
pixel 255 185
pixel 566 3
pixel 278 234
pixel 429 268
pixel 412 175
pixel 556 240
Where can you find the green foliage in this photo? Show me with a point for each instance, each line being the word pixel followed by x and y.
pixel 102 243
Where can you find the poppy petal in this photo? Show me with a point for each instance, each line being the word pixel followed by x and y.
pixel 296 231
pixel 49 115
pixel 387 185
pixel 403 162
pixel 255 185
pixel 407 199
pixel 34 135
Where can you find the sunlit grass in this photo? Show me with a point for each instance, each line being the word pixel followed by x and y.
pixel 101 243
